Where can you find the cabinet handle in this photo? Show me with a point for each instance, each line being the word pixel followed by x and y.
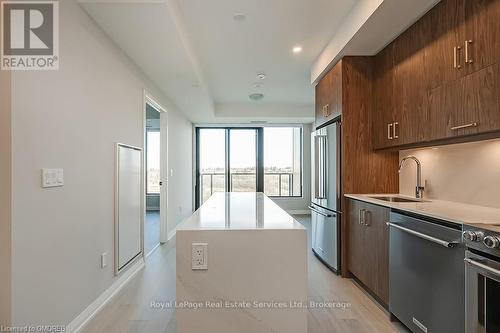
pixel 366 224
pixel 467 59
pixel 464 126
pixel 394 131
pixel 389 131
pixel 455 57
pixel 360 218
pixel 326 110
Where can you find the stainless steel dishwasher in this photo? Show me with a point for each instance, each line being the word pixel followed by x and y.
pixel 426 274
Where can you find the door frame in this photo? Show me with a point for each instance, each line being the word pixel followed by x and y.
pixel 148 98
pixel 259 142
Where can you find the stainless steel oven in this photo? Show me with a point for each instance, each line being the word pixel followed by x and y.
pixel 482 267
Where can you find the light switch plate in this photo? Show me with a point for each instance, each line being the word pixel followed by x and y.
pixel 199 256
pixel 52 178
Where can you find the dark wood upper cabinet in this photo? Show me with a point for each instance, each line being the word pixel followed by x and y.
pixel 443 76
pixel 467 106
pixel 410 122
pixel 481 38
pixel 328 94
pixel 443 44
pixel 384 111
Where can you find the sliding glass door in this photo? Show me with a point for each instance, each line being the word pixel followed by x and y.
pixel 211 162
pixel 236 159
pixel 242 160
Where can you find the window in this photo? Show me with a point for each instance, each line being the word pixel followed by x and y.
pixel 243 160
pixel 212 161
pixel 283 161
pixel 255 159
pixel 153 162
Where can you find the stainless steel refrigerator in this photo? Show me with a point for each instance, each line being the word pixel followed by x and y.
pixel 325 205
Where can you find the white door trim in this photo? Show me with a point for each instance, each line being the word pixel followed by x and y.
pixel 151 100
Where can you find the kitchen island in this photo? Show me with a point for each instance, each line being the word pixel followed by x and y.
pixel 253 277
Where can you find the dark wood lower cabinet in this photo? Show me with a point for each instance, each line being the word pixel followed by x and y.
pixel 368 248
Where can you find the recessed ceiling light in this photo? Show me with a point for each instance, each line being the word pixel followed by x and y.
pixel 239 17
pixel 256 96
pixel 297 49
pixel 261 76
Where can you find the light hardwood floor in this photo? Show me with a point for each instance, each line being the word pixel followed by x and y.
pixel 131 311
pixel 151 230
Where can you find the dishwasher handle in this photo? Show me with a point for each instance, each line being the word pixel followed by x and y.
pixel 424 236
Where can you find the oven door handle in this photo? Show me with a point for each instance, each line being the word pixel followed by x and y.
pixel 424 236
pixel 482 266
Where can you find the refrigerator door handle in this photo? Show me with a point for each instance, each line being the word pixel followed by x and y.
pixel 320 213
pixel 325 168
pixel 316 167
pixel 321 167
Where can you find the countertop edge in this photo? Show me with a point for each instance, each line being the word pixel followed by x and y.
pixel 242 229
pixel 491 216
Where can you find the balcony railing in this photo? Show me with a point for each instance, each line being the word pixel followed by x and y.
pixel 278 184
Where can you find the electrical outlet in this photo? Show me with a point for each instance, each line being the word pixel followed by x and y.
pixel 199 256
pixel 104 259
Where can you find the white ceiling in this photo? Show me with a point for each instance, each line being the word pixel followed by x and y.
pixel 232 53
pixel 148 34
pixel 207 63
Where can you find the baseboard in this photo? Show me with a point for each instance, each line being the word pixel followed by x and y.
pixel 299 212
pixel 171 235
pixel 152 250
pixel 93 309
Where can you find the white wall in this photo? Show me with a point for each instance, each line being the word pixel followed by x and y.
pixel 71 118
pixel 5 197
pixel 468 173
pixel 299 205
pixel 180 160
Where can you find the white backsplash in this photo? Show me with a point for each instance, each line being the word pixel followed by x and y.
pixel 468 173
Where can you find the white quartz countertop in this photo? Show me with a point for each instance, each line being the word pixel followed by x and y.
pixel 479 216
pixel 240 211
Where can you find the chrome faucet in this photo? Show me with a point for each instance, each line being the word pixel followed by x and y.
pixel 419 189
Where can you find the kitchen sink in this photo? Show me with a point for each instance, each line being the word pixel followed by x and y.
pixel 398 199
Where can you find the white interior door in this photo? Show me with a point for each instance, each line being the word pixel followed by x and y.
pixel 164 177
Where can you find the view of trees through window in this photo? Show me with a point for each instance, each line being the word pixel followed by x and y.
pixel 212 161
pixel 282 161
pixel 282 156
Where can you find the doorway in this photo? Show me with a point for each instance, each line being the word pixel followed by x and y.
pixel 155 158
